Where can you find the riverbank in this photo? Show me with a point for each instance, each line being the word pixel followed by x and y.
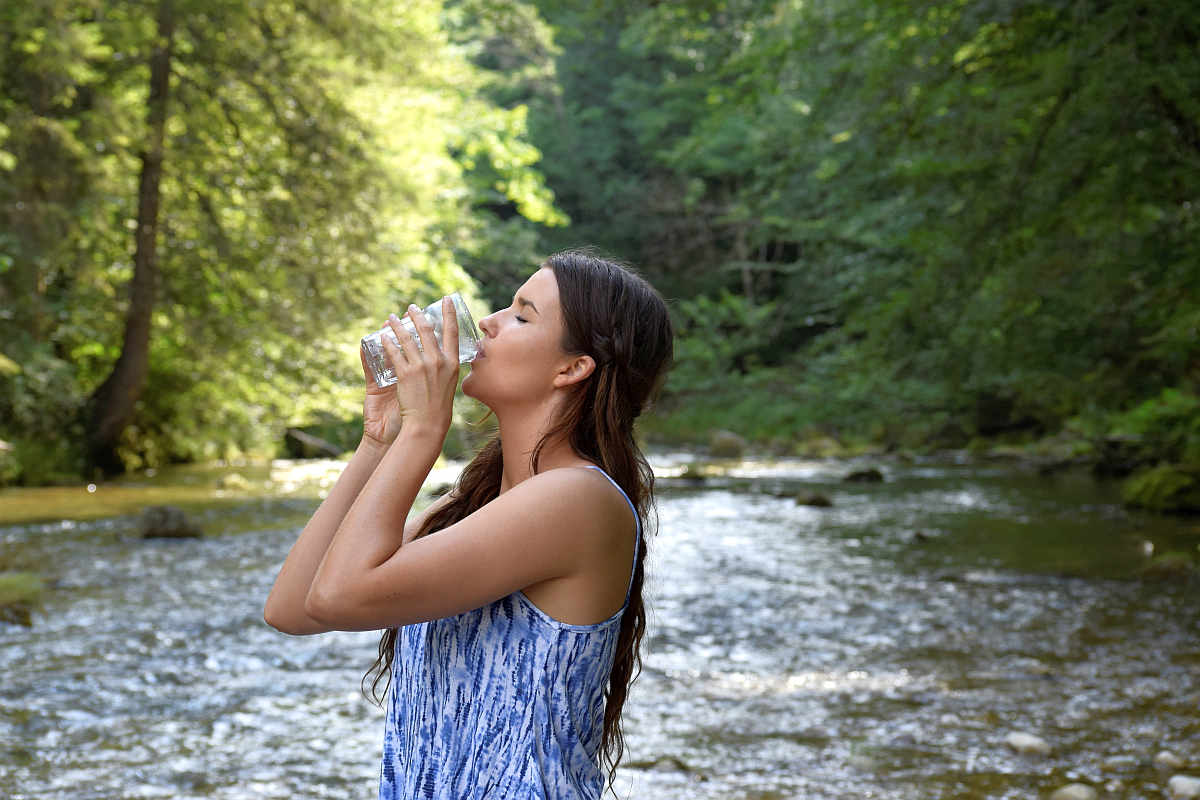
pixel 1154 448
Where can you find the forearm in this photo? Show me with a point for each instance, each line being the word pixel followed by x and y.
pixel 373 529
pixel 285 604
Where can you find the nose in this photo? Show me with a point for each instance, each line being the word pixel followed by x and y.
pixel 488 325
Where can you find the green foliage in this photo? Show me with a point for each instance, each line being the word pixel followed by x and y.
pixel 1164 488
pixel 323 166
pixel 718 337
pixel 1167 425
pixel 972 218
pixel 916 224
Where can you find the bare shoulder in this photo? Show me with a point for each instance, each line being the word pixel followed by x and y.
pixel 581 496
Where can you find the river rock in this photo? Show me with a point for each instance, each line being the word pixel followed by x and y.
pixel 233 482
pixel 1028 744
pixel 1074 791
pixel 662 764
pixel 813 499
pixel 871 475
pixel 19 594
pixel 726 444
pixel 818 447
pixel 168 522
pixel 1168 760
pixel 1183 787
pixel 1167 487
pixel 1170 566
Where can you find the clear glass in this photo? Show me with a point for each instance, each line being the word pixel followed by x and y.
pixel 468 338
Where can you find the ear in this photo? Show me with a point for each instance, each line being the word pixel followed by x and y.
pixel 574 370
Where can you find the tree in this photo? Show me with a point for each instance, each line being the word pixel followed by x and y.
pixel 113 402
pixel 313 177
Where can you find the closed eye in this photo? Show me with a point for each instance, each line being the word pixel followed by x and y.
pixel 520 319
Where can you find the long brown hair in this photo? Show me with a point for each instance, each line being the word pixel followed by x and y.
pixel 617 318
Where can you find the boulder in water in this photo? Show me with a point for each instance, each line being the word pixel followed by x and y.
pixel 1028 744
pixel 726 444
pixel 168 522
pixel 814 499
pixel 871 475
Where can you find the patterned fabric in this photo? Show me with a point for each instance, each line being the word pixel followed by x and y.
pixel 503 702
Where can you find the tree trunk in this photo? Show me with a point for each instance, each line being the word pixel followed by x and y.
pixel 112 405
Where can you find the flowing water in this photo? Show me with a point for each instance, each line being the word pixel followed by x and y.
pixel 883 647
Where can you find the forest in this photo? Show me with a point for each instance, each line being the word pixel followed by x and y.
pixel 880 225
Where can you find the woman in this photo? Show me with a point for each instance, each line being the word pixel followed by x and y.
pixel 511 606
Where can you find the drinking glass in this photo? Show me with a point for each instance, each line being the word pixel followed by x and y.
pixel 468 338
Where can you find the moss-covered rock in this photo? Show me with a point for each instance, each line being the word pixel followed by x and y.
pixel 700 471
pixel 19 595
pixel 818 447
pixel 1171 488
pixel 726 444
pixel 1172 566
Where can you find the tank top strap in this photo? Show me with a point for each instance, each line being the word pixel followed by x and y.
pixel 637 527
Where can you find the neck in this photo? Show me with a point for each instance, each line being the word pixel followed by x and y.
pixel 520 434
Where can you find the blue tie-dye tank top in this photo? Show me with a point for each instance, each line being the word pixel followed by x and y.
pixel 503 702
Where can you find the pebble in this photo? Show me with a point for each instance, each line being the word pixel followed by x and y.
pixel 1028 744
pixel 1183 787
pixel 1168 760
pixel 1074 791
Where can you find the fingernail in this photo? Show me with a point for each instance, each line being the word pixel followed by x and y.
pixel 413 307
pixel 393 316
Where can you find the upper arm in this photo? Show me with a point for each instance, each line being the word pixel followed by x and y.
pixel 550 526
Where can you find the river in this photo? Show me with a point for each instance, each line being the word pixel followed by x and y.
pixel 882 647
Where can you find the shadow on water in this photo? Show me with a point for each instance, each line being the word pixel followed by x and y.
pixel 882 647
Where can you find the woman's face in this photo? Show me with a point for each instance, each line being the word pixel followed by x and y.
pixel 521 347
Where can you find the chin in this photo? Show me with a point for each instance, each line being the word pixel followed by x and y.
pixel 467 386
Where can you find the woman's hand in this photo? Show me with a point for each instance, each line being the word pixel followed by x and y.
pixel 425 378
pixel 381 409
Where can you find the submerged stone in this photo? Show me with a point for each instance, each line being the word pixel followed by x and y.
pixel 168 522
pixel 1183 787
pixel 871 475
pixel 814 499
pixel 1074 791
pixel 1168 760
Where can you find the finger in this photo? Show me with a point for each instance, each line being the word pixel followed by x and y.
pixel 424 330
pixel 399 356
pixel 449 329
pixel 368 373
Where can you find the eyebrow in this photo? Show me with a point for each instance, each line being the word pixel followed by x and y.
pixel 521 301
